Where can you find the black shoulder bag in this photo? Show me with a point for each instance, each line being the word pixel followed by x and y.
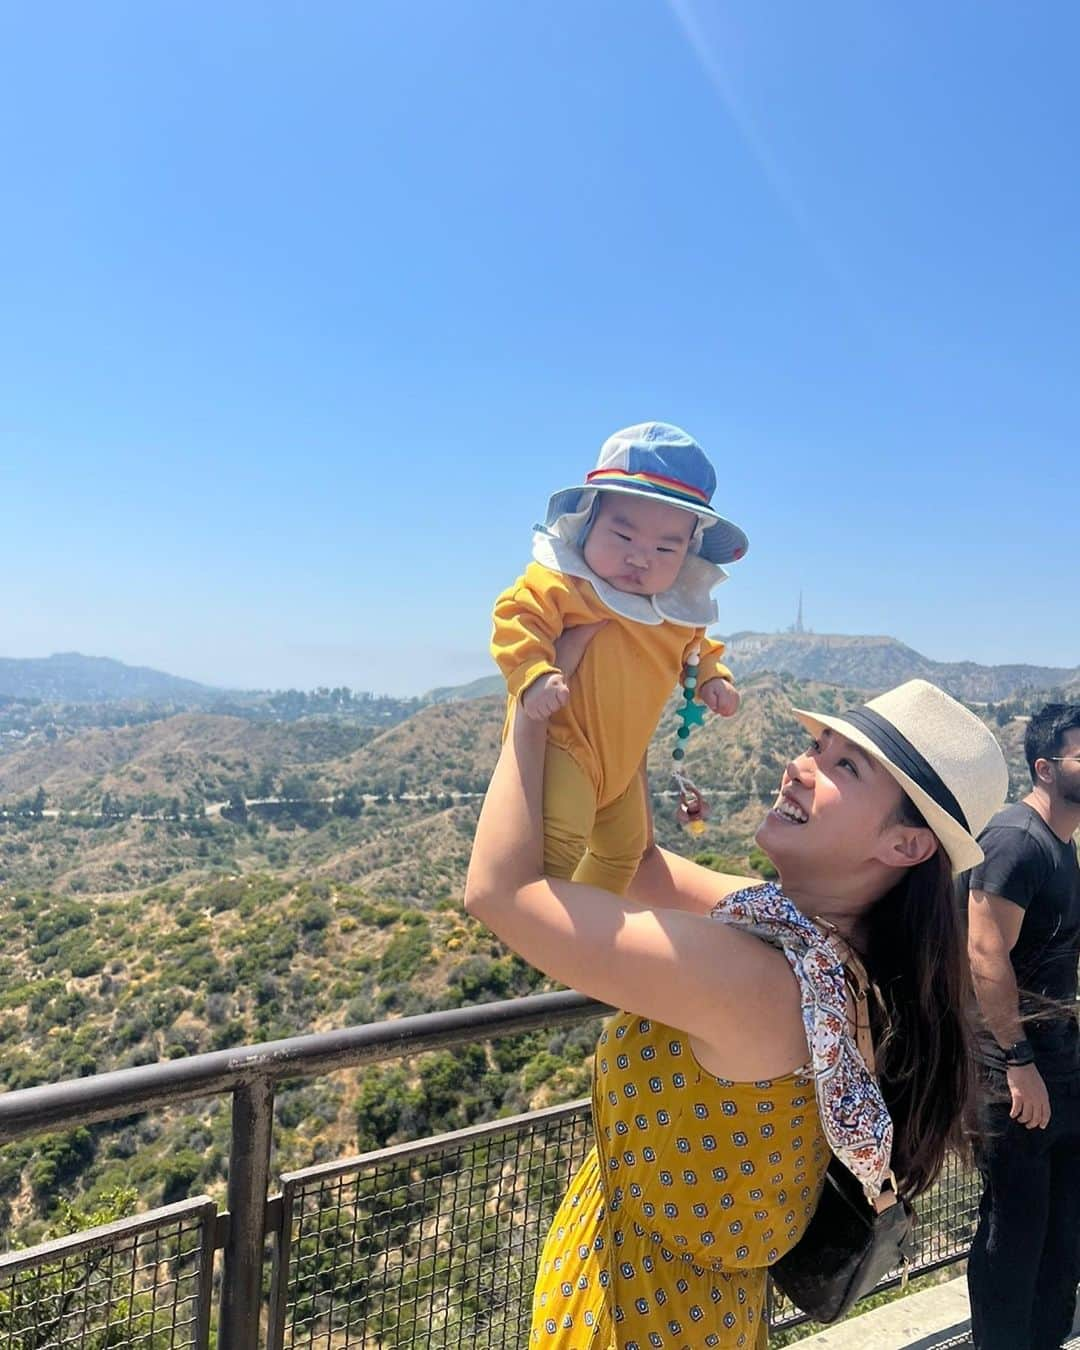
pixel 851 1243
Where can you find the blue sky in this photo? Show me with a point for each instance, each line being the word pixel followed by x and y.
pixel 308 308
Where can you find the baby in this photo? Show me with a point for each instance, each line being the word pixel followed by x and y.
pixel 638 545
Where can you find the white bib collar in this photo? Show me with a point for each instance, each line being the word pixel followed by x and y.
pixel 687 602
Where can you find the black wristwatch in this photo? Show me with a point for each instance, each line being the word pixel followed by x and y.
pixel 1019 1054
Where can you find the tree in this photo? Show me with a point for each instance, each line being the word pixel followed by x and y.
pixel 295 788
pixel 236 811
pixel 349 803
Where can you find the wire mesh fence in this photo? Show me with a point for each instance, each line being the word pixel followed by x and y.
pixel 434 1246
pixel 431 1245
pixel 143 1282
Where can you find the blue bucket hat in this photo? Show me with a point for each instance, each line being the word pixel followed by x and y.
pixel 661 462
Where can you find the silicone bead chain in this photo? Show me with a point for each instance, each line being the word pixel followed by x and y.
pixel 692 809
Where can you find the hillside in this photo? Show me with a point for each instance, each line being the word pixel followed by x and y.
pixel 131 940
pixel 182 763
pixel 188 753
pixel 55 698
pixel 449 747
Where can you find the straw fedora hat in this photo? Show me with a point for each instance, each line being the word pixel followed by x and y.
pixel 944 758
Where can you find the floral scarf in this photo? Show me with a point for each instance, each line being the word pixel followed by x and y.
pixel 853 1113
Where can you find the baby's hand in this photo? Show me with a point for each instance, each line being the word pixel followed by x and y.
pixel 720 696
pixel 545 696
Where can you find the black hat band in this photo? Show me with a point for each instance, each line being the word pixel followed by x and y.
pixel 899 751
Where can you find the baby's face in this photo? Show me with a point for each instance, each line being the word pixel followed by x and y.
pixel 637 545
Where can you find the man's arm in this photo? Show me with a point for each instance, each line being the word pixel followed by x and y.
pixel 993 927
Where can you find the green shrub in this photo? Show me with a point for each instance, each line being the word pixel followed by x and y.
pixel 405 953
pixel 315 915
pixel 89 963
pixel 178 1171
pixel 59 1160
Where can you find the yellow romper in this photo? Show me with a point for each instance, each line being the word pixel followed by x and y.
pixel 695 1186
pixel 594 808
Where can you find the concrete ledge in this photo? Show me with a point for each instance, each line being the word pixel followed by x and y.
pixel 929 1320
pixel 933 1319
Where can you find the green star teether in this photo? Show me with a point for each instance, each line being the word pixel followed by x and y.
pixel 692 714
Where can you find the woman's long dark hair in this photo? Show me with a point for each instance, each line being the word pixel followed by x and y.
pixel 916 956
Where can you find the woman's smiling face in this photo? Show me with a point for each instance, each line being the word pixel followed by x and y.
pixel 834 805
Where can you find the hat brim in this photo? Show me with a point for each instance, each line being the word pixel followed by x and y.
pixel 962 848
pixel 721 542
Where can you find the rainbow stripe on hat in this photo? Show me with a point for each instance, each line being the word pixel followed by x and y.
pixel 651 482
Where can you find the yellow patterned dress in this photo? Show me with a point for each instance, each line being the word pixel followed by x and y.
pixel 696 1185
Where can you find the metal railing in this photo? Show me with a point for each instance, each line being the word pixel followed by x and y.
pixel 429 1244
pixel 141 1282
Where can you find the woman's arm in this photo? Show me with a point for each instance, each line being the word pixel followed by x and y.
pixel 666 880
pixel 717 983
pixel 669 881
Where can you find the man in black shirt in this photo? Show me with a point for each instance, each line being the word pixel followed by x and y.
pixel 1024 942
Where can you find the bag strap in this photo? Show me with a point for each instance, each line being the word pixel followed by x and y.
pixel 855 971
pixel 864 1037
pixel 857 978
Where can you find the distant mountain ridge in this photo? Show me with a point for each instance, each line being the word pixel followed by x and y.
pixel 866 663
pixel 876 663
pixel 70 677
pixel 72 690
pixel 462 693
pixel 869 664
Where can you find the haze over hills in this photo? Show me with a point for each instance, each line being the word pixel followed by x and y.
pixel 852 660
pixel 70 677
pixel 870 664
pixel 69 692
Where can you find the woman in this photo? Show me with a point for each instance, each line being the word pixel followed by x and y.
pixel 731 1075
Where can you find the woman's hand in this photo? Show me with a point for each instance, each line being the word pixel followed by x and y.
pixel 545 696
pixel 551 692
